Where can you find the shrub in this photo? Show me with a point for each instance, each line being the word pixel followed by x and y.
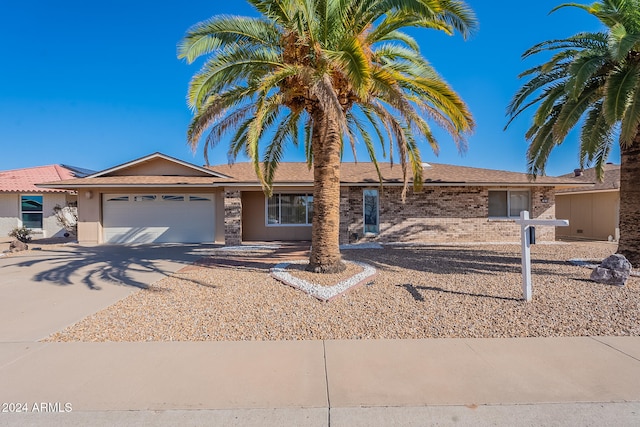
pixel 22 234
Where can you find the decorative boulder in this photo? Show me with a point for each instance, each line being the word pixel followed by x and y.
pixel 614 270
pixel 17 246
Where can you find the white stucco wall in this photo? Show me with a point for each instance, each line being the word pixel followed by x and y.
pixel 49 223
pixel 10 214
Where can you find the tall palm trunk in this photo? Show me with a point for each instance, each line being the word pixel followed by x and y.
pixel 325 143
pixel 629 245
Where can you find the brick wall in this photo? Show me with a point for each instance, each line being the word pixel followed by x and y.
pixel 440 214
pixel 232 218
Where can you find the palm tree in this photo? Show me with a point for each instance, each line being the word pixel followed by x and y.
pixel 322 72
pixel 592 79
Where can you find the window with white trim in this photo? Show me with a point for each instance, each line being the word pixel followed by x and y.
pixel 370 209
pixel 290 209
pixel 508 203
pixel 31 211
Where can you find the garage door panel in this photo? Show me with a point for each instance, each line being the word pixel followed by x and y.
pixel 158 221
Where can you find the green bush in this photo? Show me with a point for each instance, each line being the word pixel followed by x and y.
pixel 22 234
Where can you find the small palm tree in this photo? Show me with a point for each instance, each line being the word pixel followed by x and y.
pixel 592 79
pixel 322 72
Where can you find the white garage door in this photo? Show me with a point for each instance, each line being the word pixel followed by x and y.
pixel 158 218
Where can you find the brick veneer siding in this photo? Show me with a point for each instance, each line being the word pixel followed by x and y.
pixel 232 218
pixel 440 214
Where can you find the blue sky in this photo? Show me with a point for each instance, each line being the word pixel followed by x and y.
pixel 96 84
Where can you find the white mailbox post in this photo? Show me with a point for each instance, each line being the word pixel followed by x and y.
pixel 525 237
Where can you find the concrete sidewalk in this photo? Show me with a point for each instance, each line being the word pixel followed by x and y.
pixel 529 381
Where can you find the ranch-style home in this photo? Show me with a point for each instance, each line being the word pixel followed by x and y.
pixel 158 198
pixel 24 204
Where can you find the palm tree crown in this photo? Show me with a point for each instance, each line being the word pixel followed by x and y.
pixel 322 72
pixel 592 79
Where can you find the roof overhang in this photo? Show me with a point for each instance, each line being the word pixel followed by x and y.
pixel 569 193
pixel 75 187
pixel 400 184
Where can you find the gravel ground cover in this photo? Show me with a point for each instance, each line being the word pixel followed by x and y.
pixel 419 292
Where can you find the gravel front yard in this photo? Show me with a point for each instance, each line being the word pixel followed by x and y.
pixel 419 292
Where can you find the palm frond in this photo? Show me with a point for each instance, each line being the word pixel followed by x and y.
pixel 595 133
pixel 208 36
pixel 630 124
pixel 582 70
pixel 354 63
pixel 621 84
pixel 570 113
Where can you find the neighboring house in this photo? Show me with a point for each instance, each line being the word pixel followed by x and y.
pixel 24 204
pixel 158 198
pixel 593 212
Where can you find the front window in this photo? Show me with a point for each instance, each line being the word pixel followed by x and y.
pixel 370 209
pixel 508 203
pixel 31 211
pixel 290 209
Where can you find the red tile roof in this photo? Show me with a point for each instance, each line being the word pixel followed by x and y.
pixel 24 180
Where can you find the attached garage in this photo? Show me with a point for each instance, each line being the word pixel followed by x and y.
pixel 158 218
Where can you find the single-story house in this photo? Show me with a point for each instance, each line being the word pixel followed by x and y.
pixel 24 204
pixel 158 198
pixel 593 212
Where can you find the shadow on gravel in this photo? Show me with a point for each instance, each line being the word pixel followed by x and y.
pixel 122 265
pixel 255 260
pixel 450 260
pixel 417 295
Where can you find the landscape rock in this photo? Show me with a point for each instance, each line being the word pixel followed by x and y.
pixel 17 246
pixel 614 270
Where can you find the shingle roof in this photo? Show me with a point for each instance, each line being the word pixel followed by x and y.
pixel 365 173
pixel 297 173
pixel 611 179
pixel 24 180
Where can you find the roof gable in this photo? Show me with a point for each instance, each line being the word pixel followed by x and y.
pixel 157 164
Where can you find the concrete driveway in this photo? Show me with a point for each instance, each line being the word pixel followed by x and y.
pixel 43 291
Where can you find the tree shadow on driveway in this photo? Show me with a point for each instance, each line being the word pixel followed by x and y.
pixel 135 266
